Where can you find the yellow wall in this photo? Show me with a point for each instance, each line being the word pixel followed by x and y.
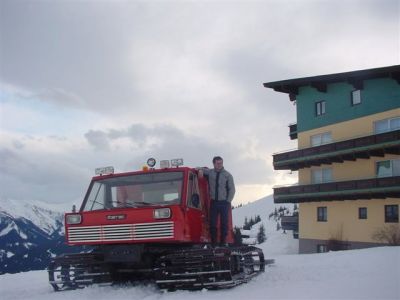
pixel 348 170
pixel 343 222
pixel 347 130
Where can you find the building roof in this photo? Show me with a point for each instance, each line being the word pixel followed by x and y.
pixel 356 78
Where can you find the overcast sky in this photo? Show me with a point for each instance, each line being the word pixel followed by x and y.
pixel 85 84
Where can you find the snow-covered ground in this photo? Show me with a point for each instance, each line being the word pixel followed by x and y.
pixel 357 274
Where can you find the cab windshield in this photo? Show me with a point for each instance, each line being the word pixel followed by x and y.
pixel 135 191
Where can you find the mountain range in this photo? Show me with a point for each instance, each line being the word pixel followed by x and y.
pixel 30 235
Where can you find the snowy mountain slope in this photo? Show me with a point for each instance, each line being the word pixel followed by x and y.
pixel 39 213
pixel 29 236
pixel 277 242
pixel 261 207
pixel 355 274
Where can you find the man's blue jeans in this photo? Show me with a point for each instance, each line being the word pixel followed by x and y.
pixel 219 208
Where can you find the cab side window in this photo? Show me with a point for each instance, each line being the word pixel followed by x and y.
pixel 193 192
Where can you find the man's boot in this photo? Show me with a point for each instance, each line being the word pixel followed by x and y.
pixel 213 237
pixel 223 242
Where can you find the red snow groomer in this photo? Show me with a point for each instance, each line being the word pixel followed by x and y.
pixel 151 224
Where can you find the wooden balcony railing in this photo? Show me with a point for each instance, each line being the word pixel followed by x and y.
pixel 352 149
pixel 374 188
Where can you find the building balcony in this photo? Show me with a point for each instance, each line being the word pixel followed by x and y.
pixel 372 188
pixel 339 151
pixel 293 131
pixel 290 222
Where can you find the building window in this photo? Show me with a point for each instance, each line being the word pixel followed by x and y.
pixel 391 213
pixel 320 108
pixel 362 213
pixel 355 97
pixel 322 214
pixel 321 175
pixel 388 168
pixel 321 139
pixel 322 248
pixel 387 125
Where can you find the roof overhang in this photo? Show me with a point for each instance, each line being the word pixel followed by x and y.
pixel 355 78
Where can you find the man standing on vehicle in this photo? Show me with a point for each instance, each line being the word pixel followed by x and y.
pixel 222 190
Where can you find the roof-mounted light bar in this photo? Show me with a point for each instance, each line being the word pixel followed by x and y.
pixel 164 164
pixel 177 162
pixel 104 171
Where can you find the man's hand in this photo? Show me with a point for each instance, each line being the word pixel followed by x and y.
pixel 201 171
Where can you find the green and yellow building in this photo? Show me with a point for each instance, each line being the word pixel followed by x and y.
pixel 348 158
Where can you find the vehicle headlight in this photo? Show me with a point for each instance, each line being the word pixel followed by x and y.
pixel 74 219
pixel 162 213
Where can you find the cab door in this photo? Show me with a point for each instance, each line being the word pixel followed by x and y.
pixel 194 210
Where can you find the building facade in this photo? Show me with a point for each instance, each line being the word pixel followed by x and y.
pixel 348 158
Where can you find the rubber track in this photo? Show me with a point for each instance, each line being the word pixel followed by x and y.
pixel 74 271
pixel 212 268
pixel 190 269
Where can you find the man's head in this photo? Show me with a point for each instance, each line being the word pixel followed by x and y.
pixel 218 163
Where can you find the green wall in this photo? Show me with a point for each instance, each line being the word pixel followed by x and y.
pixel 377 96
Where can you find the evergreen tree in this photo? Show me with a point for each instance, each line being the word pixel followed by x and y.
pixel 261 237
pixel 251 222
pixel 247 224
pixel 258 218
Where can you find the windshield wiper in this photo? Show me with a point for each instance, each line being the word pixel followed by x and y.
pixel 122 205
pixel 132 204
pixel 144 203
pixel 102 205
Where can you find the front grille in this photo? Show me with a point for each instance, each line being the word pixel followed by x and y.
pixel 125 232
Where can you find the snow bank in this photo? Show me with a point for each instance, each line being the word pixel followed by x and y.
pixel 357 274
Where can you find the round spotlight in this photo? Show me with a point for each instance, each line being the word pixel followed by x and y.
pixel 151 162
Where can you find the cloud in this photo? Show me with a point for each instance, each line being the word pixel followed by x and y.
pixel 30 175
pixel 60 96
pixel 58 168
pixel 143 58
pixel 56 96
pixel 98 139
pixel 165 141
pixel 86 84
